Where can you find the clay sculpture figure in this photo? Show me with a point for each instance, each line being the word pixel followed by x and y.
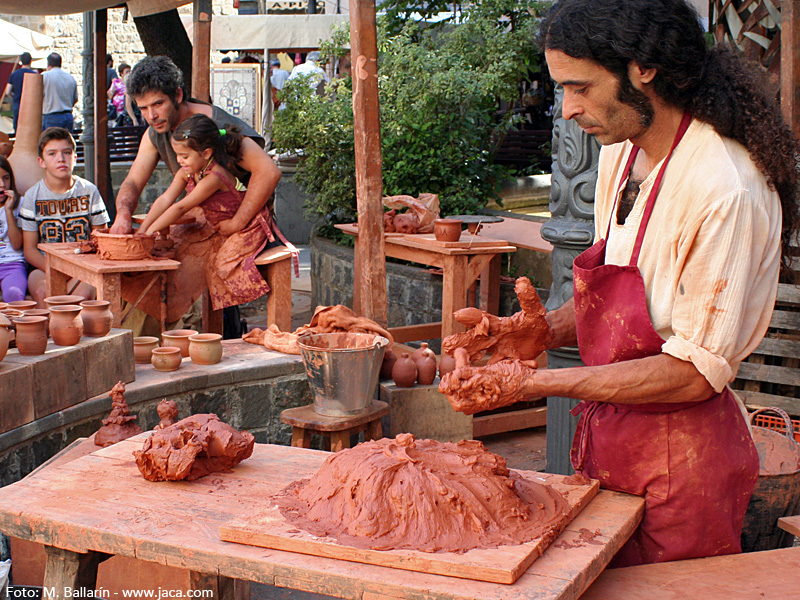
pixel 420 213
pixel 167 411
pixel 421 495
pixel 326 319
pixel 192 448
pixel 523 335
pixel 120 424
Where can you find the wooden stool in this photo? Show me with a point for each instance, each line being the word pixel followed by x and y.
pixel 275 265
pixel 305 421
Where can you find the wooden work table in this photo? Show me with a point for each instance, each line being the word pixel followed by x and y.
pixel 99 505
pixel 461 265
pixel 104 275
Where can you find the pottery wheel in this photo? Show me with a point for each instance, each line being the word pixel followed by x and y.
pixel 474 222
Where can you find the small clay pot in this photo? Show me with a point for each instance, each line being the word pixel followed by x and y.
pixel 205 348
pixel 97 317
pixel 166 358
pixel 39 312
pixel 404 372
pixel 447 230
pixel 178 338
pixel 11 314
pixel 143 348
pixel 22 305
pixel 447 364
pixel 31 337
pixel 426 368
pixel 61 300
pixel 5 336
pixel 389 358
pixel 66 325
pixel 420 352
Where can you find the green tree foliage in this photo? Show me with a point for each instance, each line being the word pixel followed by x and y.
pixel 439 91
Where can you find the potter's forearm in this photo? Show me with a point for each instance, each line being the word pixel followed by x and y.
pixel 167 218
pixel 562 325
pixel 258 193
pixel 660 378
pixel 127 199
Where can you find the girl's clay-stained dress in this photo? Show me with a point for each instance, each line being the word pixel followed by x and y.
pixel 231 272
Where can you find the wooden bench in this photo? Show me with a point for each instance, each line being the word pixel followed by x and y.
pixel 770 376
pixel 305 421
pixel 123 143
pixel 275 266
pixel 754 576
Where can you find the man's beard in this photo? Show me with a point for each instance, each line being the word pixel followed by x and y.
pixel 637 100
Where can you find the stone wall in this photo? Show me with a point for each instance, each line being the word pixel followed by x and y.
pixel 122 38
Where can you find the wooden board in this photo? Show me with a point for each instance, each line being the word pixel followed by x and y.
pixel 498 565
pixel 92 263
pixel 467 240
pixel 352 229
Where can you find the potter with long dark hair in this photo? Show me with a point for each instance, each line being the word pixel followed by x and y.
pixel 695 204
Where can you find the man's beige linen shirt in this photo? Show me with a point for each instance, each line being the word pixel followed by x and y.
pixel 711 253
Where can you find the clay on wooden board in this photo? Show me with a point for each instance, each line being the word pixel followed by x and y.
pixel 120 424
pixel 424 209
pixel 167 412
pixel 421 495
pixel 192 448
pixel 326 319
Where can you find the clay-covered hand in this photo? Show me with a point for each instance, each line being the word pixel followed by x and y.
pixel 227 227
pixel 122 225
pixel 474 389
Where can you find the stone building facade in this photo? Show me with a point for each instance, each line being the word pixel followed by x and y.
pixel 122 38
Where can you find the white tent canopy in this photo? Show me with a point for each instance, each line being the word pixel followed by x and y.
pixel 14 40
pixel 273 32
pixel 138 8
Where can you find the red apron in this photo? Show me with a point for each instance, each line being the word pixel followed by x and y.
pixel 694 462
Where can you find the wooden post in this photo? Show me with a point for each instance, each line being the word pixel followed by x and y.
pixel 102 170
pixel 790 63
pixel 369 289
pixel 201 50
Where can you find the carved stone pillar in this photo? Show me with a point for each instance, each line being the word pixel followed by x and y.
pixel 570 230
pixel 87 134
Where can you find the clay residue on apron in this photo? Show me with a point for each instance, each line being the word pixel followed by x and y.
pixel 421 495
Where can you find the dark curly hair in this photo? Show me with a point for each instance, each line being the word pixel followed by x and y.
pixel 717 85
pixel 156 74
pixel 200 132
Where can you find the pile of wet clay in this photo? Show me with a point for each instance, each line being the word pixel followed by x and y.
pixel 421 495
pixel 191 448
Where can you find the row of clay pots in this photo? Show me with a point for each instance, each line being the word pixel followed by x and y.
pixel 420 367
pixel 202 348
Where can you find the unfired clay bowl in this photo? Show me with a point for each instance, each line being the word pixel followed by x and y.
pixel 205 348
pixel 179 338
pixel 124 246
pixel 52 301
pixel 447 230
pixel 143 347
pixel 166 358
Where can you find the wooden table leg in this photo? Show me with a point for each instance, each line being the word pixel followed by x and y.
pixel 374 430
pixel 340 440
pixel 454 292
pixel 56 280
pixel 490 286
pixel 110 289
pixel 301 438
pixel 66 571
pixel 222 588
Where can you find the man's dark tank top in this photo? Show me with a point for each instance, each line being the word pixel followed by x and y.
pixel 224 120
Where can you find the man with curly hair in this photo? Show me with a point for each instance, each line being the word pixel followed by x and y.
pixel 695 206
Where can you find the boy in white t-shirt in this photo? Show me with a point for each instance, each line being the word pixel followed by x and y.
pixel 60 208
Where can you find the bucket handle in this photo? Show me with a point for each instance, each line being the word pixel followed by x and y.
pixel 782 413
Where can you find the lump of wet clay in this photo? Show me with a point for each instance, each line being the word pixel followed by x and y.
pixel 421 495
pixel 192 448
pixel 120 424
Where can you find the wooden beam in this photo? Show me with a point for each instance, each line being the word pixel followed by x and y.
pixel 201 50
pixel 369 291
pixel 790 63
pixel 102 170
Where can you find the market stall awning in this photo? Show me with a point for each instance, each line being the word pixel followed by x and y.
pixel 138 8
pixel 14 40
pixel 275 32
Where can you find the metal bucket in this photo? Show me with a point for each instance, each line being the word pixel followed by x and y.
pixel 342 370
pixel 776 495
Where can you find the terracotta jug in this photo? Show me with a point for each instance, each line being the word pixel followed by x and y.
pixel 426 368
pixel 51 301
pixel 39 312
pixel 66 325
pixel 419 352
pixel 166 358
pixel 178 338
pixel 31 338
pixel 446 365
pixel 404 372
pixel 97 317
pixel 205 348
pixel 143 347
pixel 5 336
pixel 389 358
pixel 23 158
